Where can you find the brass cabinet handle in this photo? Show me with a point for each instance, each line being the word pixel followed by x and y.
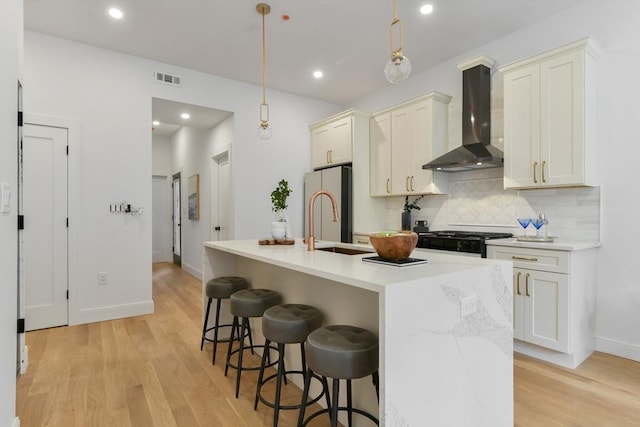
pixel 388 185
pixel 412 183
pixel 535 177
pixel 526 285
pixel 524 258
pixel 406 183
pixel 330 156
pixel 362 242
pixel 544 163
pixel 327 157
pixel 518 283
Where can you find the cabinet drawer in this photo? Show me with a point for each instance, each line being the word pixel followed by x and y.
pixel 532 259
pixel 361 239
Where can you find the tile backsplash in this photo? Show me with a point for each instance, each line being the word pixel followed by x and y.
pixel 477 201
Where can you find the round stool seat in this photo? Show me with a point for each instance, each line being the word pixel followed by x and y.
pixel 342 351
pixel 223 287
pixel 290 323
pixel 252 302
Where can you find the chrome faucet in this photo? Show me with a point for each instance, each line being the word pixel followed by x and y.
pixel 311 245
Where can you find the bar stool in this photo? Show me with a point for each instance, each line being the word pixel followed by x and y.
pixel 340 352
pixel 220 288
pixel 286 324
pixel 244 304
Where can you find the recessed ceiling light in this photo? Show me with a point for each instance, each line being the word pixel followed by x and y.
pixel 116 13
pixel 155 123
pixel 185 115
pixel 318 74
pixel 426 9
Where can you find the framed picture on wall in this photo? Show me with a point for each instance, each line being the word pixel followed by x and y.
pixel 193 192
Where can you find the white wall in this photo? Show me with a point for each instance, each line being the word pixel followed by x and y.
pixel 614 25
pixel 161 156
pixel 109 95
pixel 10 71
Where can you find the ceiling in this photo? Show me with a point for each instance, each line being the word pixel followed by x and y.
pixel 347 39
pixel 168 114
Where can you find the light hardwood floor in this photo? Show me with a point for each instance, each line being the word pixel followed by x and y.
pixel 149 371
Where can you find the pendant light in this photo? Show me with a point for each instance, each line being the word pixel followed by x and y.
pixel 398 66
pixel 264 130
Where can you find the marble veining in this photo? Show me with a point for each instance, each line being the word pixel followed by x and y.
pixel 479 324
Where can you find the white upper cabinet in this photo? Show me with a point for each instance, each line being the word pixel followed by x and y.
pixel 332 139
pixel 402 139
pixel 549 109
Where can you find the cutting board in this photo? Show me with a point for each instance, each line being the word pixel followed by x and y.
pixel 276 242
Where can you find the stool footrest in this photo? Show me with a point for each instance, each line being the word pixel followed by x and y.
pixel 297 406
pixel 251 368
pixel 213 328
pixel 340 408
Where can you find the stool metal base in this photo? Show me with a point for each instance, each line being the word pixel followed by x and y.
pixel 216 327
pixel 333 410
pixel 238 367
pixel 280 376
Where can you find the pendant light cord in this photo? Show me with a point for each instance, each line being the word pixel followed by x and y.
pixel 264 63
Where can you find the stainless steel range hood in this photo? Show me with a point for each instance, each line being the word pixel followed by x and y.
pixel 476 151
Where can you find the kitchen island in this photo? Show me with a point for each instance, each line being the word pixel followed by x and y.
pixel 445 327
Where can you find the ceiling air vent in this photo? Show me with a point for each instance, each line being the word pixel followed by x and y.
pixel 169 79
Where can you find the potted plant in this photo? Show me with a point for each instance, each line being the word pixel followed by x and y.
pixel 406 211
pixel 279 205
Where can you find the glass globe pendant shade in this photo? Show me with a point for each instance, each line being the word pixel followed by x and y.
pixel 398 68
pixel 264 130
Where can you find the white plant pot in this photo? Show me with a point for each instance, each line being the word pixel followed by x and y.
pixel 278 230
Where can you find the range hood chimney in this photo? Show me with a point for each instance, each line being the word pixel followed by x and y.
pixel 476 151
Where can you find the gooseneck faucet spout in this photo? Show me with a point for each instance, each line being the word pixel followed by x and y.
pixel 311 245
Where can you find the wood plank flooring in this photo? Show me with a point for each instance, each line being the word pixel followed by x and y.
pixel 149 371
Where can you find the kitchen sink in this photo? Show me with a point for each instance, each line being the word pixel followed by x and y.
pixel 345 251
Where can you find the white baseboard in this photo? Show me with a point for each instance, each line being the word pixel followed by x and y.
pixel 195 272
pixel 16 422
pixel 100 314
pixel 618 348
pixel 570 361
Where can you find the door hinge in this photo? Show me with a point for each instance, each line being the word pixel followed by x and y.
pixel 20 118
pixel 67 150
pixel 67 222
pixel 67 294
pixel 21 326
pixel 20 222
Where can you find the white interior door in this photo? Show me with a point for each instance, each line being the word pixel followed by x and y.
pixel 45 231
pixel 161 237
pixel 220 197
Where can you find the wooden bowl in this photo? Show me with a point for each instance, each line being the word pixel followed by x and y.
pixel 394 245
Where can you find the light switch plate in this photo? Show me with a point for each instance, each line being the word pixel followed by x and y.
pixel 5 198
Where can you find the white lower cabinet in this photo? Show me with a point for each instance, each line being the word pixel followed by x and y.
pixel 541 308
pixel 553 302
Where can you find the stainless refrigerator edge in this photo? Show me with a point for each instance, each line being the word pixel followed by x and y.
pixel 336 180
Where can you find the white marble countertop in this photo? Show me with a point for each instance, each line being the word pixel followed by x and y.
pixel 558 244
pixel 350 269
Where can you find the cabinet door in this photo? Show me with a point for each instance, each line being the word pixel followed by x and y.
pixel 546 301
pixel 420 148
pixel 522 127
pixel 320 143
pixel 518 304
pixel 400 133
pixel 340 141
pixel 562 111
pixel 380 155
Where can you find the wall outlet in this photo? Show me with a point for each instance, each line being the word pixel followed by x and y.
pixel 468 305
pixel 103 279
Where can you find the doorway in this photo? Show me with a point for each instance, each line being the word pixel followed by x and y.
pixel 44 196
pixel 177 219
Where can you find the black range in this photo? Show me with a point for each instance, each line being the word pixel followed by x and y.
pixel 472 242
